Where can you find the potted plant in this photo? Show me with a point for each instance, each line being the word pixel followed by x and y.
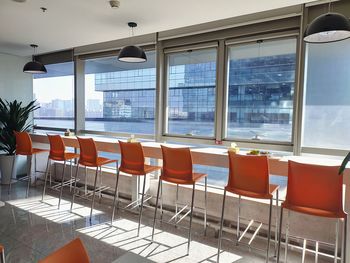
pixel 13 117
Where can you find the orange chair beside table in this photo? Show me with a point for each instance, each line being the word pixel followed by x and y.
pixel 178 169
pixel 133 162
pixel 249 177
pixel 73 252
pixel 24 147
pixel 315 190
pixel 58 153
pixel 89 158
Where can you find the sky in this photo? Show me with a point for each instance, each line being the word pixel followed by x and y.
pixel 46 89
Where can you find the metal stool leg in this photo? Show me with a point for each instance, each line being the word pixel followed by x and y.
pixel 345 237
pixel 176 201
pixel 116 196
pixel 29 172
pixel 75 187
pixel 46 175
pixel 287 233
pixel 93 194
pixel 161 202
pixel 269 231
pixel 155 209
pixel 205 204
pixel 62 180
pixel 336 241
pixel 238 218
pixel 279 236
pixel 86 180
pixel 221 225
pixel 71 175
pixel 12 173
pixel 189 231
pixel 142 198
pixel 276 229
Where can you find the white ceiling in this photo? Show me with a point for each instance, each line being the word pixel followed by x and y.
pixel 71 23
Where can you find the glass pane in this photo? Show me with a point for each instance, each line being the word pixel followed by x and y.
pixel 54 92
pixel 119 96
pixel 326 120
pixel 261 80
pixel 191 94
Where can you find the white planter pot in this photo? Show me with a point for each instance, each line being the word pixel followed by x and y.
pixel 6 163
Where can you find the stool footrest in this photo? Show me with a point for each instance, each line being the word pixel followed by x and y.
pixel 65 183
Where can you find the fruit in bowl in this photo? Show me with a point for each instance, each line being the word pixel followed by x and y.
pixel 254 152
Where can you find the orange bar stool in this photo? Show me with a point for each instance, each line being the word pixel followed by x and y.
pixel 178 169
pixel 24 147
pixel 58 153
pixel 2 254
pixel 315 190
pixel 73 252
pixel 89 158
pixel 249 177
pixel 133 162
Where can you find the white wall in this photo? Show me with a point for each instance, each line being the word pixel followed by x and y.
pixel 14 84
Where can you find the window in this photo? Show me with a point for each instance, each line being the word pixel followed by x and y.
pixel 54 92
pixel 326 120
pixel 119 96
pixel 191 83
pixel 261 78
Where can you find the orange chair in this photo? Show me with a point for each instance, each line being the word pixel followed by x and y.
pixel 24 147
pixel 133 162
pixel 2 254
pixel 58 153
pixel 178 169
pixel 73 252
pixel 89 158
pixel 314 190
pixel 249 177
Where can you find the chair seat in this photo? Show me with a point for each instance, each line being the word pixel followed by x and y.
pixel 99 162
pixel 34 151
pixel 245 193
pixel 67 156
pixel 196 177
pixel 147 169
pixel 314 211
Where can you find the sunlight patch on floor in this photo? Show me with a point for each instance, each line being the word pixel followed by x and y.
pixel 167 247
pixel 48 209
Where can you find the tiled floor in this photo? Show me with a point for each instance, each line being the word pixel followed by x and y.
pixel 31 229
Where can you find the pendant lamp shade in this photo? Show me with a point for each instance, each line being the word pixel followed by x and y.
pixel 132 54
pixel 328 27
pixel 34 67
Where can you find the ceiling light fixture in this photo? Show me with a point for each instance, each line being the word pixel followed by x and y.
pixel 132 54
pixel 329 27
pixel 34 67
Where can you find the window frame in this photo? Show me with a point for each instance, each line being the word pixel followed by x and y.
pixel 271 144
pixel 165 86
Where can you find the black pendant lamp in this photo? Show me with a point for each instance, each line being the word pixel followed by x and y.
pixel 329 27
pixel 132 54
pixel 34 67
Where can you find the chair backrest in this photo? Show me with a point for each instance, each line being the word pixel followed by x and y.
pixel 57 147
pixel 23 143
pixel 249 173
pixel 177 163
pixel 73 252
pixel 315 186
pixel 132 157
pixel 88 150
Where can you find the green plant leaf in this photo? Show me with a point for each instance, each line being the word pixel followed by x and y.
pixel 13 117
pixel 344 163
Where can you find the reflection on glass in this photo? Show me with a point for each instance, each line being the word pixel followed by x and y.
pixel 326 121
pixel 261 80
pixel 54 92
pixel 191 92
pixel 119 96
